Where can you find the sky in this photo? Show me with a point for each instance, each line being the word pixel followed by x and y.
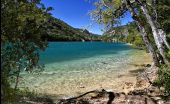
pixel 75 13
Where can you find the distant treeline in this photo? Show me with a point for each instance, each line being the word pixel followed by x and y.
pixel 61 31
pixel 127 33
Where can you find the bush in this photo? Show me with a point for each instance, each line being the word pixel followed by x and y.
pixel 7 93
pixel 163 79
pixel 168 54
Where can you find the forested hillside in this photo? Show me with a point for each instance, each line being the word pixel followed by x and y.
pixel 127 33
pixel 61 31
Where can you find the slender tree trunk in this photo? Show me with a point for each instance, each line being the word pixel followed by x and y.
pixel 143 33
pixel 163 36
pixel 156 32
pixel 161 32
pixel 17 78
pixel 148 44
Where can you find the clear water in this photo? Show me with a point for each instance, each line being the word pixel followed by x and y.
pixel 68 51
pixel 63 54
pixel 69 63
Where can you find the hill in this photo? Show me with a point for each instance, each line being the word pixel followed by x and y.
pixel 126 33
pixel 61 31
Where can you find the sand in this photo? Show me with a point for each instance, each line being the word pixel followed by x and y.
pixel 116 82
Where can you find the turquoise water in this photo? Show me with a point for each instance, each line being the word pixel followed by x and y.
pixel 70 64
pixel 68 51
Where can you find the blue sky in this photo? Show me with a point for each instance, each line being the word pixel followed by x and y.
pixel 75 13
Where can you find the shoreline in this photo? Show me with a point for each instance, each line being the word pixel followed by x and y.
pixel 114 81
pixel 141 58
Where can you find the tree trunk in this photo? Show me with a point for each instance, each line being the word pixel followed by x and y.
pixel 17 78
pixel 161 32
pixel 147 43
pixel 156 32
pixel 143 33
pixel 163 36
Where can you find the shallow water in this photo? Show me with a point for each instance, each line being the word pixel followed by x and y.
pixel 70 64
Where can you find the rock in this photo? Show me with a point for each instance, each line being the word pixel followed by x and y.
pixel 158 100
pixel 137 92
pixel 109 90
pixel 153 91
pixel 141 83
pixel 104 62
pixel 148 65
pixel 129 83
pixel 82 86
pixel 128 86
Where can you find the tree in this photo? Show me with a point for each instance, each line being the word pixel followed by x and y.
pixel 158 33
pixel 119 7
pixel 23 27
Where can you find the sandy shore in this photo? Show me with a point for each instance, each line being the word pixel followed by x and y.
pixel 115 82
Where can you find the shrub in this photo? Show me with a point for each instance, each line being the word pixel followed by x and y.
pixel 163 79
pixel 168 54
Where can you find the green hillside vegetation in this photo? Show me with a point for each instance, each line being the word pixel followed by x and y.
pixel 61 31
pixel 126 33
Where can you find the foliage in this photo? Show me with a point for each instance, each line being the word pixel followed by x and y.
pixel 22 29
pixel 163 78
pixel 127 33
pixel 61 31
pixel 24 95
pixel 33 96
pixel 108 11
pixel 168 54
pixel 103 14
pixel 163 9
pixel 26 26
pixel 7 93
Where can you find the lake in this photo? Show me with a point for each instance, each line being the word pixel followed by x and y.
pixel 69 65
pixel 82 55
pixel 67 51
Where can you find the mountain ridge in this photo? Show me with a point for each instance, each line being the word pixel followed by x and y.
pixel 61 31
